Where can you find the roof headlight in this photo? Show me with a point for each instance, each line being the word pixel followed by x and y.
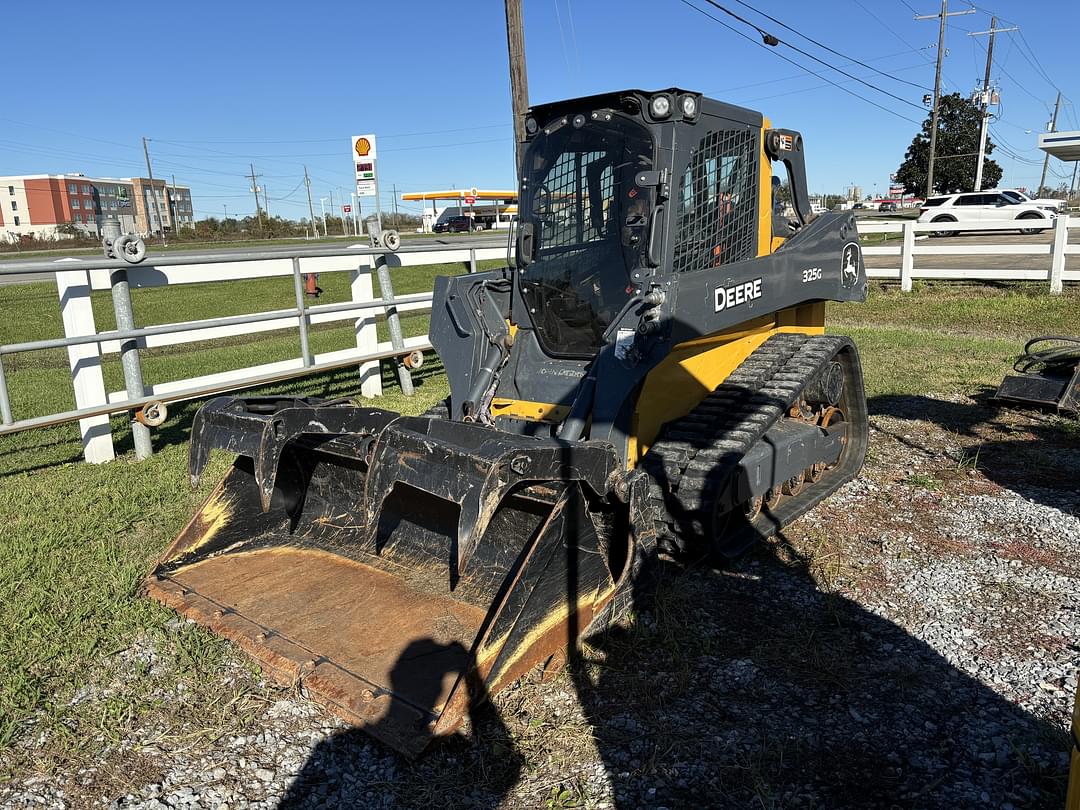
pixel 531 126
pixel 689 106
pixel 660 106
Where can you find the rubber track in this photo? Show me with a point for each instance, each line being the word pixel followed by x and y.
pixel 695 455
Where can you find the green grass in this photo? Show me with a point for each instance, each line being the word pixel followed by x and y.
pixel 78 539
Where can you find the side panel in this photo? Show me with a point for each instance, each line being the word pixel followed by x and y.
pixel 694 368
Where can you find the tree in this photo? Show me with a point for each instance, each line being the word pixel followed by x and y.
pixel 956 156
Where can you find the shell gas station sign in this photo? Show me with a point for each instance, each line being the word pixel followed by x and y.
pixel 363 157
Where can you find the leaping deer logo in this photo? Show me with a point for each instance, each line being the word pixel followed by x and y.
pixel 849 265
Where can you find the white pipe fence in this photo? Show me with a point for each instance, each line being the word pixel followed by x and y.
pixel 1054 274
pixel 86 346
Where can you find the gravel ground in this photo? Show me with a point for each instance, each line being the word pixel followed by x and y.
pixel 912 643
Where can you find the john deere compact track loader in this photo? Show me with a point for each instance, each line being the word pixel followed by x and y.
pixel 650 375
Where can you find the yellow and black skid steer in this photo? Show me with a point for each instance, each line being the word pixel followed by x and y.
pixel 649 376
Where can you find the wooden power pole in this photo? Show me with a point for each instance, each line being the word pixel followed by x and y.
pixel 937 84
pixel 984 125
pixel 519 80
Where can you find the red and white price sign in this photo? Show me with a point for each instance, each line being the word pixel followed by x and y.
pixel 347 209
pixel 469 200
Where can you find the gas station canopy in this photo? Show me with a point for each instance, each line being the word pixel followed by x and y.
pixel 462 193
pixel 1062 145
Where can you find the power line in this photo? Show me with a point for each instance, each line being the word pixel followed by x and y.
pixel 823 46
pixel 773 40
pixel 797 64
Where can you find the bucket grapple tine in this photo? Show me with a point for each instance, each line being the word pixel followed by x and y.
pixel 473 467
pixel 261 428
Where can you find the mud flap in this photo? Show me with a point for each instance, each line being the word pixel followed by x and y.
pixel 398 581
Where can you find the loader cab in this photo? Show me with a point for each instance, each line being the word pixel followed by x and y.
pixel 619 192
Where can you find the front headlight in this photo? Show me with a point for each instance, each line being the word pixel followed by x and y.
pixel 660 106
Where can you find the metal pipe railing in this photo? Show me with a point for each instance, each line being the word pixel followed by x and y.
pixel 185 326
pixel 221 257
pixel 196 392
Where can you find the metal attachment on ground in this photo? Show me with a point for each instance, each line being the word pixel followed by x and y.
pixel 1048 375
pixel 413 360
pixel 391 240
pixel 130 248
pixel 152 414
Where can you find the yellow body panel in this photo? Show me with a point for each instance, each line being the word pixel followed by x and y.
pixel 695 368
pixel 765 239
pixel 532 411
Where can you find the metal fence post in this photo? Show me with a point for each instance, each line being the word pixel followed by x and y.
pixel 393 323
pixel 907 256
pixel 1057 254
pixel 129 358
pixel 298 286
pixel 5 403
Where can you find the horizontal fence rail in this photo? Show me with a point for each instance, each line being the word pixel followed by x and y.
pixel 77 278
pixel 914 242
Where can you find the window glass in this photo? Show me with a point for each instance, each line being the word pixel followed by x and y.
pixel 717 212
pixel 75 202
pixel 11 190
pixel 588 219
pixel 14 206
pixel 968 199
pixel 73 188
pixel 16 220
pixel 934 201
pixel 85 189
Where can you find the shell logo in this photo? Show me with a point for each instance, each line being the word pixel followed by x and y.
pixel 363 147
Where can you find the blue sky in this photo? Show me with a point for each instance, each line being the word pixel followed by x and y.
pixel 218 86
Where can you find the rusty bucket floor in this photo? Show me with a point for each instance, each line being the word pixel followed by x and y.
pixel 373 648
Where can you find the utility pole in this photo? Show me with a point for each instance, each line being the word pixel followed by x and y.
pixel 266 201
pixel 157 205
pixel 986 95
pixel 175 206
pixel 310 207
pixel 331 193
pixel 255 191
pixel 322 206
pixel 519 80
pixel 1046 160
pixel 397 222
pixel 937 83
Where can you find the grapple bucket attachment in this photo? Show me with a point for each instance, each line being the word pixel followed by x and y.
pixel 399 568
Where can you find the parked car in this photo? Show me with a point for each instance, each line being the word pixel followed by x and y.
pixel 888 205
pixel 984 206
pixel 1058 206
pixel 458 224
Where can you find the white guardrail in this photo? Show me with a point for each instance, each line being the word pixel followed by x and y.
pixel 1055 273
pixel 77 278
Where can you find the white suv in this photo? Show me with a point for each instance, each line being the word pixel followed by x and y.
pixel 984 206
pixel 1058 206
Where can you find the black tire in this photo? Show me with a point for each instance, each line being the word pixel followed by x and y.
pixel 944 233
pixel 1030 231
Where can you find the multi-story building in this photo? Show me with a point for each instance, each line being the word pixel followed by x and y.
pixel 47 206
pixel 171 206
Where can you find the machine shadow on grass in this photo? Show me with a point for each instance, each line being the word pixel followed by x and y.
pixel 1029 451
pixel 177 429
